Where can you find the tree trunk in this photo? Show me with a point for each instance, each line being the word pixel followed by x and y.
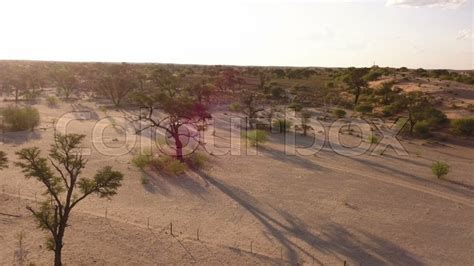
pixel 357 94
pixel 58 245
pixel 16 97
pixel 179 149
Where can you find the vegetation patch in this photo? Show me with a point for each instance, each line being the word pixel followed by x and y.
pixel 20 118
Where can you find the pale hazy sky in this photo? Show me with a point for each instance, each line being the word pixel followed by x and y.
pixel 412 33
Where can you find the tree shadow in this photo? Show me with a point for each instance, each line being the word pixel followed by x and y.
pixel 293 159
pixel 19 137
pixel 78 107
pixel 334 239
pixel 383 168
pixel 161 183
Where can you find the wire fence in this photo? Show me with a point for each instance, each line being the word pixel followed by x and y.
pixel 269 251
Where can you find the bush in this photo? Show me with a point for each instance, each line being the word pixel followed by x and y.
pixel 197 160
pixel 145 179
pixel 255 137
pixel 169 165
pixel 21 118
pixel 463 126
pixel 339 113
pixel 422 128
pixel 440 169
pixel 434 117
pixel 364 108
pixel 142 160
pixel 52 101
pixel 234 107
pixel 373 139
pixel 391 109
pixel 283 125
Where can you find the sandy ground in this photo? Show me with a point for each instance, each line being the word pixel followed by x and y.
pixel 323 209
pixel 453 97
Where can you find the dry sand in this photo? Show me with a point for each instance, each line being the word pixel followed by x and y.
pixel 256 209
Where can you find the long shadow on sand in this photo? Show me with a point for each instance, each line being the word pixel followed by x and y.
pixel 19 137
pixel 162 184
pixel 461 188
pixel 334 240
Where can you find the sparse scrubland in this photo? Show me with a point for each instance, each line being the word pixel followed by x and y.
pixel 203 169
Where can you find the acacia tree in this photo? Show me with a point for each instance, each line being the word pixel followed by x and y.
pixel 420 109
pixel 65 80
pixel 3 160
pixel 250 104
pixel 116 81
pixel 305 118
pixel 14 80
pixel 202 91
pixel 183 111
pixel 354 79
pixel 62 184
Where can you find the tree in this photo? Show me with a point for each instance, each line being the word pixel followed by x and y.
pixel 227 80
pixel 65 79
pixel 305 118
pixel 354 79
pixel 250 104
pixel 116 81
pixel 3 160
pixel 202 91
pixel 183 111
pixel 16 80
pixel 62 184
pixel 262 82
pixel 419 109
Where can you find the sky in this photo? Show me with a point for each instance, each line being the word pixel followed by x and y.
pixel 327 33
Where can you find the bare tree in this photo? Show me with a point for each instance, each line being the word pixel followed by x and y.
pixel 62 185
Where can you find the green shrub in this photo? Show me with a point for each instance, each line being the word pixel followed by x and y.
pixel 169 165
pixel 255 137
pixel 197 160
pixel 434 117
pixel 52 101
pixel 463 126
pixel 283 125
pixel 391 109
pixel 145 179
pixel 373 139
pixel 422 128
pixel 234 107
pixel 364 108
pixel 339 113
pixel 440 169
pixel 142 160
pixel 21 118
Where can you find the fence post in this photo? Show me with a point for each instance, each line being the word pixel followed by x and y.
pixel 171 228
pixel 251 246
pixel 197 234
